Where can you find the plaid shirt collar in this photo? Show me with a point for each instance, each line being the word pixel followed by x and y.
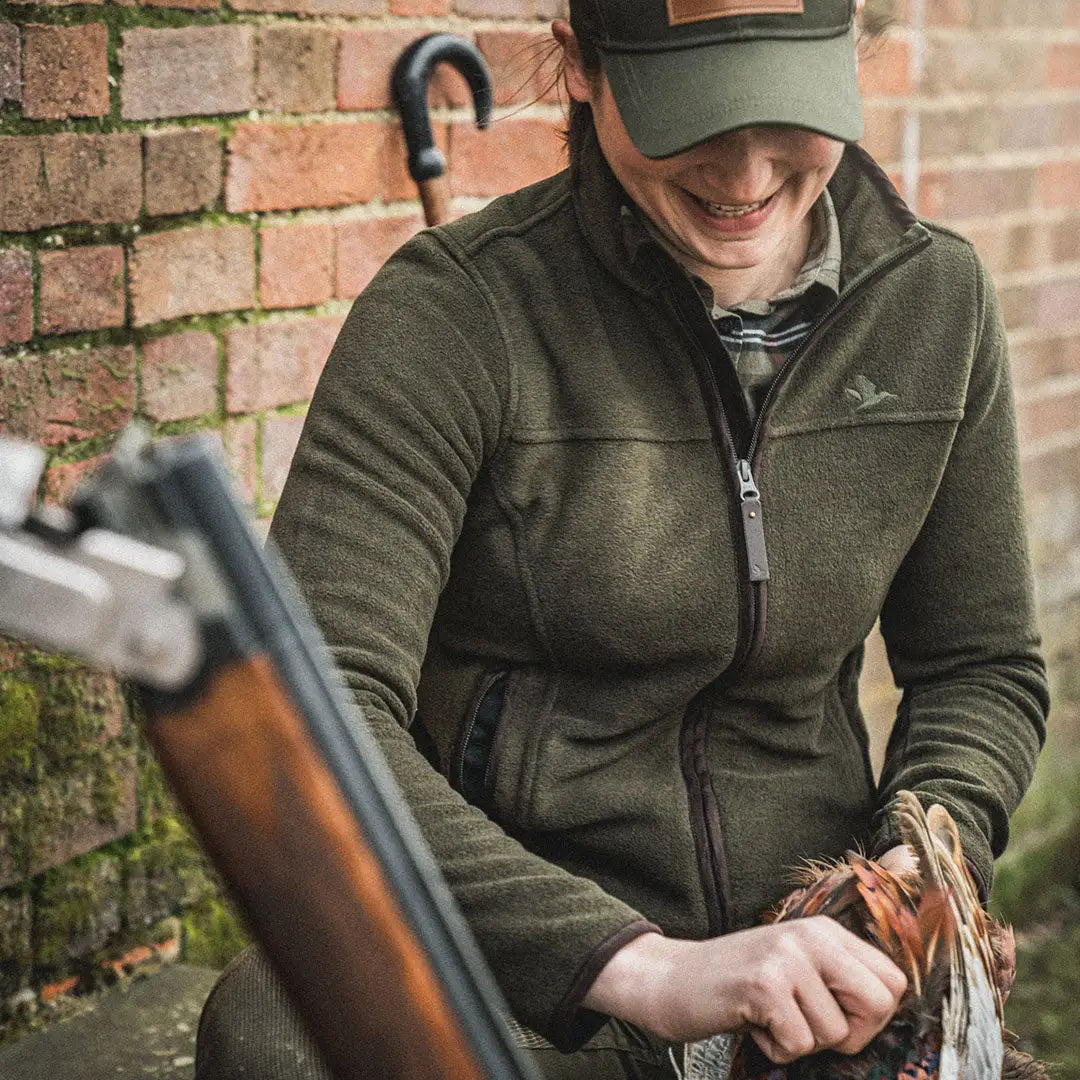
pixel 821 266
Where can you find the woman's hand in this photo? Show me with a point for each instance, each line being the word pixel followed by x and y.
pixel 797 987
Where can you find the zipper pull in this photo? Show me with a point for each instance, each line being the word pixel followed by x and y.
pixel 753 528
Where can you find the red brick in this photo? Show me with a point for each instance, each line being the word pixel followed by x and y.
pixel 1057 303
pixel 983 64
pixel 180 376
pixel 885 68
pixel 1063 64
pixel 1006 248
pixel 241 456
pixel 976 192
pixel 296 265
pixel 1039 359
pixel 365 61
pixel 60 484
pixel 54 397
pixel 65 71
pixel 313 7
pixel 511 153
pixel 884 138
pixel 192 272
pixel 189 5
pixel 951 13
pixel 273 167
pixel 1059 184
pixel 279 438
pixel 495 9
pixel 10 63
pixel 275 364
pixel 181 170
pixel 59 179
pixel 419 7
pixel 16 296
pixel 193 71
pixel 81 288
pixel 1045 416
pixel 363 246
pixel 296 67
pixel 396 184
pixel 523 65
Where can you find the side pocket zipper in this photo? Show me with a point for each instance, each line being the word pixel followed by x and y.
pixel 464 779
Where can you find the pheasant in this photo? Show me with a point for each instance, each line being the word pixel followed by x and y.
pixel 960 965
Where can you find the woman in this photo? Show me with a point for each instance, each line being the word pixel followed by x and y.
pixel 599 496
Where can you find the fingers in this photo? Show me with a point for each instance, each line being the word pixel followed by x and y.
pixel 827 989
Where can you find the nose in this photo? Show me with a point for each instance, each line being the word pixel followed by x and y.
pixel 740 164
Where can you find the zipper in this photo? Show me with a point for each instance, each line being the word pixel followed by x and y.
pixel 466 736
pixel 704 817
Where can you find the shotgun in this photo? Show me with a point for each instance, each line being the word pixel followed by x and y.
pixel 155 572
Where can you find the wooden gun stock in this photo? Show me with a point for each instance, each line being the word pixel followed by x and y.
pixel 293 802
pixel 272 818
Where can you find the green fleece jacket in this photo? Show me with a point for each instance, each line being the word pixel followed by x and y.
pixel 524 511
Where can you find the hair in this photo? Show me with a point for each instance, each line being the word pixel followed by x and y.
pixel 878 16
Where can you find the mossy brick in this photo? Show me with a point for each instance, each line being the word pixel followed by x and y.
pixel 10 63
pixel 189 71
pixel 295 67
pixel 65 71
pixel 16 954
pixel 81 288
pixel 361 247
pixel 77 911
pixel 20 707
pixel 296 265
pixel 213 933
pixel 64 178
pixel 366 59
pixel 90 805
pixel 54 397
pixel 275 363
pixel 80 706
pixel 192 272
pixel 180 376
pixel 181 170
pixel 13 826
pixel 280 167
pixel 16 296
pixel 165 871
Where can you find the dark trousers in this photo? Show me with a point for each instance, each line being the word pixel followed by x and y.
pixel 249 1031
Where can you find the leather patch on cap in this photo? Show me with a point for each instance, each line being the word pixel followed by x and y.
pixel 690 11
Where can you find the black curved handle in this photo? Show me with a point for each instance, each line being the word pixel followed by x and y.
pixel 409 85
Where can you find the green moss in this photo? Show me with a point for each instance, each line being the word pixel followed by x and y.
pixel 77 910
pixel 213 934
pixel 19 714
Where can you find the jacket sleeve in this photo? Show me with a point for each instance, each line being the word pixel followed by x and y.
pixel 413 399
pixel 959 626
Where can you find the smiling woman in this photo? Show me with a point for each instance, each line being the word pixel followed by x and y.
pixel 602 490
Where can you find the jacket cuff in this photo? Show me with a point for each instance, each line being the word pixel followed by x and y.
pixel 888 836
pixel 573 1025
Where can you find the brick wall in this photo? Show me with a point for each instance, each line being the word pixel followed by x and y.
pixel 190 196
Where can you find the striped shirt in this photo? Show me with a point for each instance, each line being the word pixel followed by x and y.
pixel 759 335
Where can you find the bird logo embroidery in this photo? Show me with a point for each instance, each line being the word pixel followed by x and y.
pixel 864 395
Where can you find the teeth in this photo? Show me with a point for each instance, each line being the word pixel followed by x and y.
pixel 732 211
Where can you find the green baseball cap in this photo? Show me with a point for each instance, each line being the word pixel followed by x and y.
pixel 683 71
